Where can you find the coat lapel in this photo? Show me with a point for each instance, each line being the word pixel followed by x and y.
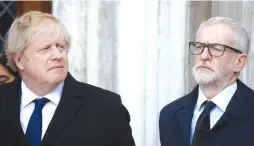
pixel 10 109
pixel 184 113
pixel 71 101
pixel 239 106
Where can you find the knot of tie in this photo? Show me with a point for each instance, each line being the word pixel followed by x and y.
pixel 209 105
pixel 39 103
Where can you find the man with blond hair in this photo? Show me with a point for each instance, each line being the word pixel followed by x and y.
pixel 219 110
pixel 46 106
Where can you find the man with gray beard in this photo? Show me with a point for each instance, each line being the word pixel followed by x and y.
pixel 219 111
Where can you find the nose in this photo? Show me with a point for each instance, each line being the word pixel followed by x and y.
pixel 205 55
pixel 56 53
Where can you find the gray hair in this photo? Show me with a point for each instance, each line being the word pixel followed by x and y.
pixel 239 34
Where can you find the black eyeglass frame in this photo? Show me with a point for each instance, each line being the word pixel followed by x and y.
pixel 208 47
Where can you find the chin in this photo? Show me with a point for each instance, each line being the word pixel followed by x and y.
pixel 204 78
pixel 57 78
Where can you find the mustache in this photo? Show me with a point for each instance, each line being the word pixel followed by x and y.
pixel 203 64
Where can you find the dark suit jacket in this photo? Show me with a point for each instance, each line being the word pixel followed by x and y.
pixel 86 116
pixel 234 128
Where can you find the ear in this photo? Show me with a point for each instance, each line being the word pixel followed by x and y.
pixel 240 62
pixel 18 60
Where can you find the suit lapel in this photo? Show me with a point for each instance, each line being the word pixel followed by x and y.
pixel 70 103
pixel 10 109
pixel 184 113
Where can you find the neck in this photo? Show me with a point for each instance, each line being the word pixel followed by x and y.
pixel 211 90
pixel 37 88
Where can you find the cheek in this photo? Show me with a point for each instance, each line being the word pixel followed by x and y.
pixel 217 65
pixel 65 58
pixel 223 66
pixel 196 59
pixel 37 66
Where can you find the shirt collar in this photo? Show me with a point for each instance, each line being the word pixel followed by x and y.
pixel 28 96
pixel 221 100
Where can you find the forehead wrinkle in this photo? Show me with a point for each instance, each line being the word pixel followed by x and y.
pixel 220 34
pixel 49 35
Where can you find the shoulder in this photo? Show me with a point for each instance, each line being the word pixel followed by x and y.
pixel 173 106
pixel 99 93
pixel 96 98
pixel 176 105
pixel 104 102
pixel 90 92
pixel 243 88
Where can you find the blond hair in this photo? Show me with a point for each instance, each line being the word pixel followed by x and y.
pixel 24 29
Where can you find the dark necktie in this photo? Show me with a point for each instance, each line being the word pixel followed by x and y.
pixel 34 127
pixel 202 128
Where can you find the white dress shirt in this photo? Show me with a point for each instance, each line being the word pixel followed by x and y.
pixel 27 106
pixel 221 101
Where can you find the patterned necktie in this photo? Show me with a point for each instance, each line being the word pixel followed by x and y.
pixel 203 125
pixel 34 127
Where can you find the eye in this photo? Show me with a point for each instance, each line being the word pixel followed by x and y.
pixel 45 48
pixel 217 47
pixel 60 46
pixel 198 46
pixel 3 79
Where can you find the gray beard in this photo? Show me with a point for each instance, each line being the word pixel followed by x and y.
pixel 209 78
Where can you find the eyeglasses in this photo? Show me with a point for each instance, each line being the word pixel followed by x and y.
pixel 217 50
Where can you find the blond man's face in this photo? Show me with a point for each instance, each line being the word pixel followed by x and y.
pixel 45 58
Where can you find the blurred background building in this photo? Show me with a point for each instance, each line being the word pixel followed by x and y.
pixel 137 48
